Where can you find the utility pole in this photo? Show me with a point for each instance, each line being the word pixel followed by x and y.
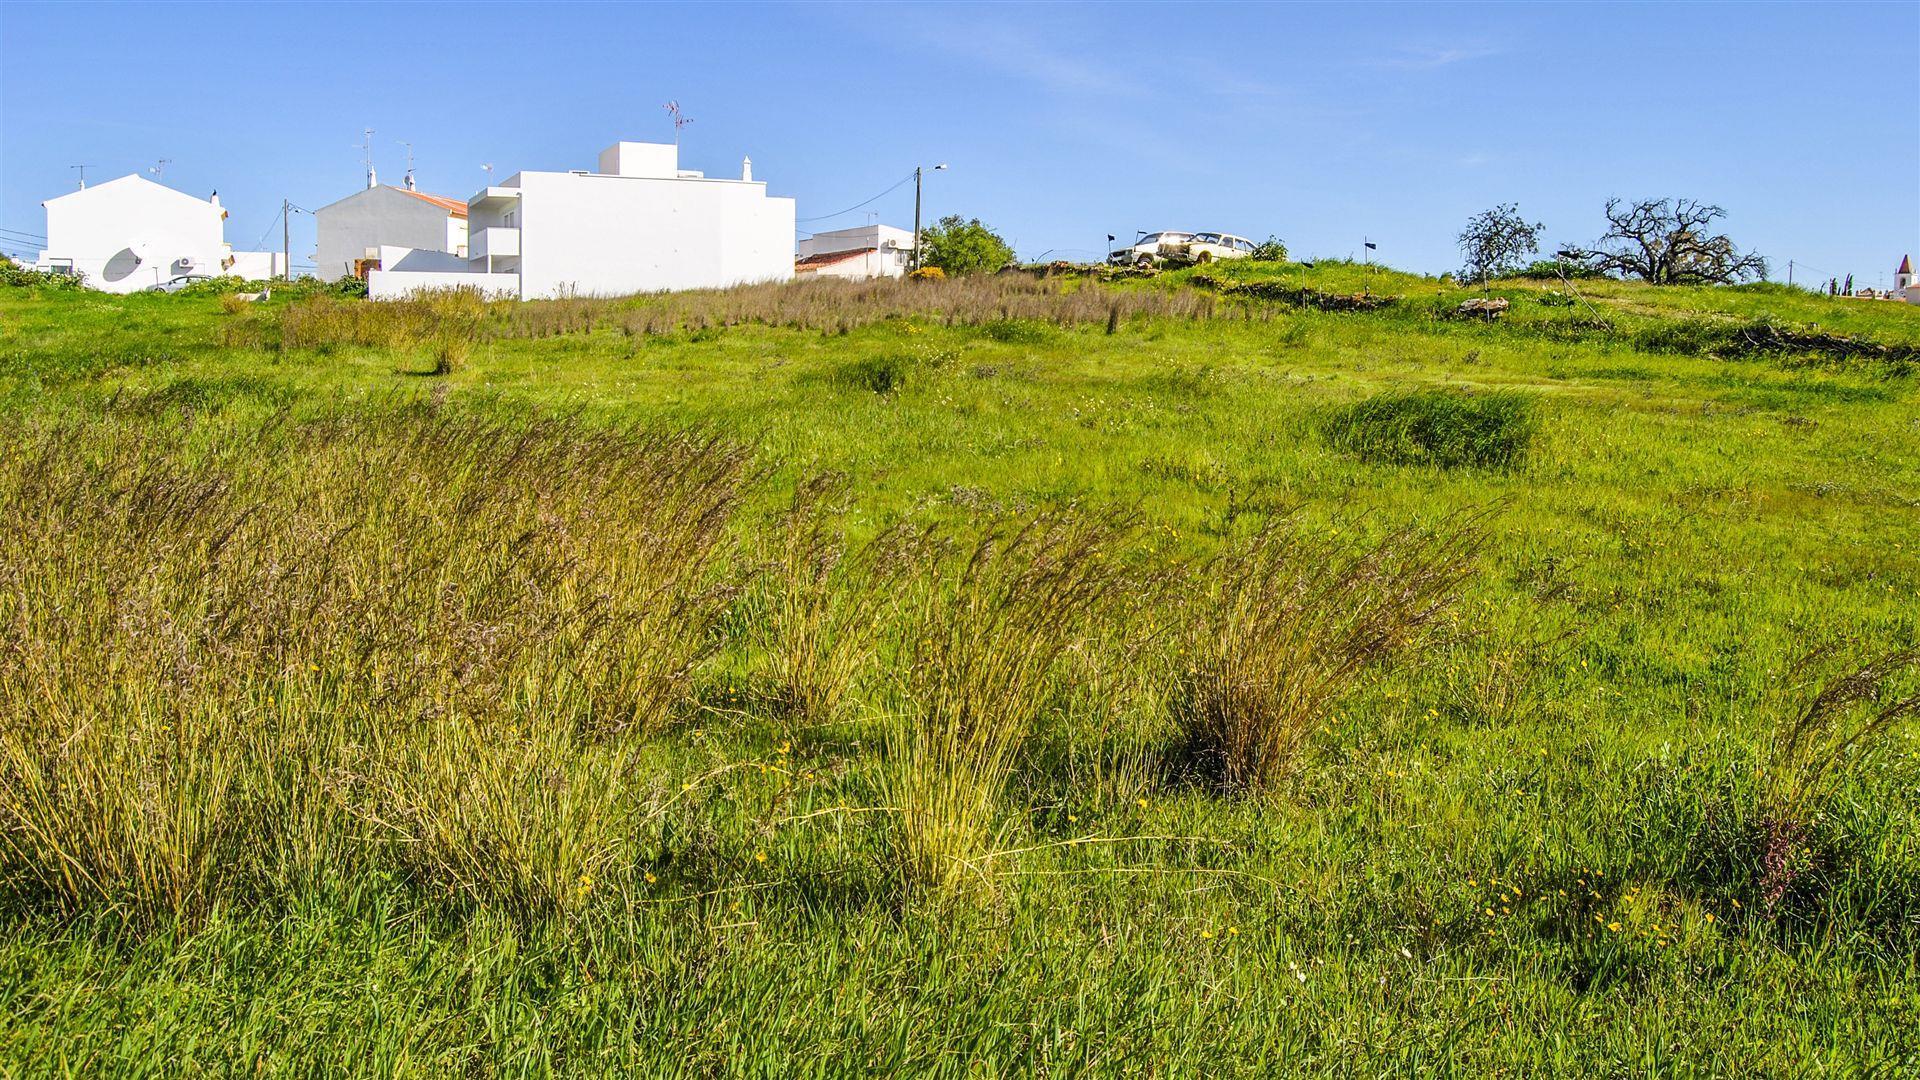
pixel 916 211
pixel 286 242
pixel 1789 273
pixel 916 216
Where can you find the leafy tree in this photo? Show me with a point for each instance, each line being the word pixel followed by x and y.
pixel 1496 242
pixel 1273 249
pixel 959 245
pixel 1666 242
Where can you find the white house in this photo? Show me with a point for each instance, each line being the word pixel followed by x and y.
pixel 870 251
pixel 1904 285
pixel 131 234
pixel 385 216
pixel 638 224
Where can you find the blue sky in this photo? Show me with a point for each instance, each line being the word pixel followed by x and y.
pixel 1062 123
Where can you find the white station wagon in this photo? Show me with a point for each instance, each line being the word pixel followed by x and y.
pixel 1146 250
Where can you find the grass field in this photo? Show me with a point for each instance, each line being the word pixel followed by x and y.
pixel 970 678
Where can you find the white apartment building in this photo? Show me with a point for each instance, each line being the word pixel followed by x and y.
pixel 348 230
pixel 131 234
pixel 869 251
pixel 638 224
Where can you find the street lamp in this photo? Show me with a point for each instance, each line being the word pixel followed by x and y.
pixel 916 211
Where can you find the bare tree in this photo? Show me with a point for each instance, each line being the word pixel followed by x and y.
pixel 1666 242
pixel 1496 241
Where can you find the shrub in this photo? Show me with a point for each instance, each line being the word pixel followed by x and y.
pixel 960 246
pixel 1272 249
pixel 927 273
pixel 1443 428
pixel 1288 621
pixel 15 276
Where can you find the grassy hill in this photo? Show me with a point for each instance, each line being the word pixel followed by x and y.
pixel 966 678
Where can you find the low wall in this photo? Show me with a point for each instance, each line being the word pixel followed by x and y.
pixel 400 284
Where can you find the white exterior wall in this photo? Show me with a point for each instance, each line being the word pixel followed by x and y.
pixel 873 264
pixel 615 235
pixel 379 216
pixel 257 265
pixel 131 234
pixel 400 284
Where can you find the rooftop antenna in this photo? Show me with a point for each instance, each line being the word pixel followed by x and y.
pixel 159 169
pixel 680 120
pixel 366 157
pixel 409 146
pixel 488 169
pixel 83 175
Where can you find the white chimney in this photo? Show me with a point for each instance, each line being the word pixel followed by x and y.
pixel 746 168
pixel 214 198
pixel 410 180
pixel 372 180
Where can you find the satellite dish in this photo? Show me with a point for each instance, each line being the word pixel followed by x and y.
pixel 123 263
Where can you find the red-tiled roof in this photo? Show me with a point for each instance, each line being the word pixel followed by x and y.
pixel 451 206
pixel 828 258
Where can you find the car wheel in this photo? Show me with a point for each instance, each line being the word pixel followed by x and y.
pixel 1144 262
pixel 1203 258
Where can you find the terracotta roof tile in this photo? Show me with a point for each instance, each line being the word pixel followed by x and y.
pixel 828 258
pixel 451 206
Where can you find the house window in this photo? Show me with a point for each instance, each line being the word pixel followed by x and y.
pixel 507 219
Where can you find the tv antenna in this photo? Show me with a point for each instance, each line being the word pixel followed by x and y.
pixel 83 175
pixel 366 156
pixel 680 120
pixel 409 146
pixel 488 169
pixel 159 169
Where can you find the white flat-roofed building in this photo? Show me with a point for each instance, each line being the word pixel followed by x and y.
pixel 638 224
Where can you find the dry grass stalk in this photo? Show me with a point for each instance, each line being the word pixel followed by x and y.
pixel 1841 710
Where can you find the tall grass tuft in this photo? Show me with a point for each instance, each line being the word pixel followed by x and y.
pixel 1443 428
pixel 1287 621
pixel 981 639
pixel 823 615
pixel 1826 713
pixel 244 665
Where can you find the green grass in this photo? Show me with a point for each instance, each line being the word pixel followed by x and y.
pixel 459 797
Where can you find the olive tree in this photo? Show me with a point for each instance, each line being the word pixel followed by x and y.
pixel 1497 241
pixel 1667 242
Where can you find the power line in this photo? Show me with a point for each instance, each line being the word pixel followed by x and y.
pixel 902 181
